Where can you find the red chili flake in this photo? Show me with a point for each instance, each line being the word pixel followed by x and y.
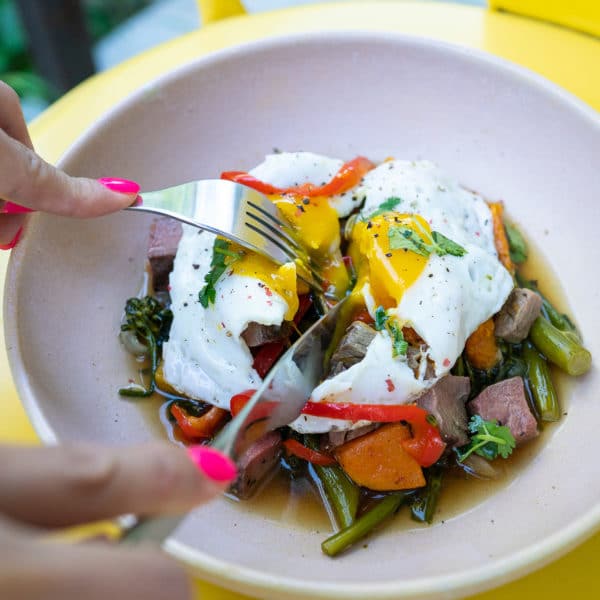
pixel 268 291
pixel 390 385
pixel 168 288
pixel 477 233
pixel 269 303
pixel 249 297
pixel 446 362
pixel 348 262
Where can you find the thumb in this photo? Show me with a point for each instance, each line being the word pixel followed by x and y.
pixel 26 179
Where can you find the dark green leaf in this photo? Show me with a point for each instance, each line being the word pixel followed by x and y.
pixel 218 265
pixel 443 245
pixel 386 206
pixel 380 318
pixel 403 238
pixel 488 439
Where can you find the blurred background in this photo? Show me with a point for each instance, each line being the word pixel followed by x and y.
pixel 48 46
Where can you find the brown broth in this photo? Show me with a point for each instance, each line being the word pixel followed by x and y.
pixel 297 501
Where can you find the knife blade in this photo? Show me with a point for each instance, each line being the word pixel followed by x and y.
pixel 277 402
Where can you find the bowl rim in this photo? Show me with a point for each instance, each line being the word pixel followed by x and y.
pixel 497 571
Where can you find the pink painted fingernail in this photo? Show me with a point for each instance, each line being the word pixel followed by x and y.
pixel 123 186
pixel 10 208
pixel 13 242
pixel 212 463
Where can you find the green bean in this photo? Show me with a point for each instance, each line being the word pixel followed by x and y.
pixel 343 539
pixel 540 384
pixel 559 348
pixel 516 244
pixel 342 493
pixel 424 505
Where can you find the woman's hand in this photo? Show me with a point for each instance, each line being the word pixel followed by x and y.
pixel 43 488
pixel 29 181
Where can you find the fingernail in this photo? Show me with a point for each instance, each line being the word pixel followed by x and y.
pixel 10 208
pixel 123 186
pixel 13 242
pixel 212 463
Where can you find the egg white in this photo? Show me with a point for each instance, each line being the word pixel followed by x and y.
pixel 205 357
pixel 288 169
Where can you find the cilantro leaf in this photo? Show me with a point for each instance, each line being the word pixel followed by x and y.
pixel 380 318
pixel 443 245
pixel 218 266
pixel 516 244
pixel 488 439
pixel 399 344
pixel 386 206
pixel 383 322
pixel 403 238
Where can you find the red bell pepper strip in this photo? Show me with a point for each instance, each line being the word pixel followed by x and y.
pixel 426 445
pixel 262 410
pixel 346 178
pixel 312 456
pixel 204 426
pixel 238 401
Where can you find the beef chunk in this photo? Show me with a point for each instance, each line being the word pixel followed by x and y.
pixel 506 403
pixel 353 347
pixel 516 317
pixel 256 463
pixel 257 335
pixel 446 402
pixel 337 438
pixel 165 234
pixel 414 356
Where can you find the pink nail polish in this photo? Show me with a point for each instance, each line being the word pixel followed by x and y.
pixel 10 208
pixel 212 463
pixel 13 242
pixel 123 186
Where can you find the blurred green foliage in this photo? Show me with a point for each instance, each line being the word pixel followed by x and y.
pixel 16 67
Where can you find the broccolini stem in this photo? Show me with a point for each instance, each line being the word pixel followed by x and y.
pixel 560 349
pixel 540 383
pixel 343 539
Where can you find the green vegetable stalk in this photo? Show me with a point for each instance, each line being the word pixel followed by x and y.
pixel 540 384
pixel 424 505
pixel 343 539
pixel 343 494
pixel 559 348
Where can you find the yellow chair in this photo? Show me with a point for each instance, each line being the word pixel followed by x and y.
pixel 583 15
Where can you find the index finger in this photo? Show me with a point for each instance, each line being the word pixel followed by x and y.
pixel 12 120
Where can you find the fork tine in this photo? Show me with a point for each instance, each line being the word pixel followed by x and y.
pixel 281 228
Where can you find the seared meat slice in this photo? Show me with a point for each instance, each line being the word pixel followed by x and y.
pixel 516 317
pixel 165 234
pixel 352 347
pixel 506 403
pixel 257 335
pixel 337 438
pixel 256 463
pixel 446 402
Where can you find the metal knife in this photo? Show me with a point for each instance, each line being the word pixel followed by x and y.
pixel 276 403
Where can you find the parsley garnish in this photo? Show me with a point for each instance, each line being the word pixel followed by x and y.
pixel 422 243
pixel 384 322
pixel 488 439
pixel 218 266
pixel 386 206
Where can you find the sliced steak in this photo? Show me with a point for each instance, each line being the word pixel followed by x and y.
pixel 516 317
pixel 337 438
pixel 165 234
pixel 257 335
pixel 352 347
pixel 256 463
pixel 446 402
pixel 506 403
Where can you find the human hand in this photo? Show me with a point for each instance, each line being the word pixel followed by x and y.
pixel 28 181
pixel 42 488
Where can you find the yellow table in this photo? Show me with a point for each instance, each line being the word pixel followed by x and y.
pixel 570 59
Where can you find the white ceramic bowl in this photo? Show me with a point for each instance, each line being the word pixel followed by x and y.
pixel 500 129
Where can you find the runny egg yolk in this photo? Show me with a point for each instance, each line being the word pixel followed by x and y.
pixel 389 272
pixel 317 229
pixel 281 280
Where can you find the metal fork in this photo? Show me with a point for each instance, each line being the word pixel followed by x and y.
pixel 237 213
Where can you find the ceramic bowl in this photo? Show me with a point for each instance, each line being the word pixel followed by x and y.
pixel 498 128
